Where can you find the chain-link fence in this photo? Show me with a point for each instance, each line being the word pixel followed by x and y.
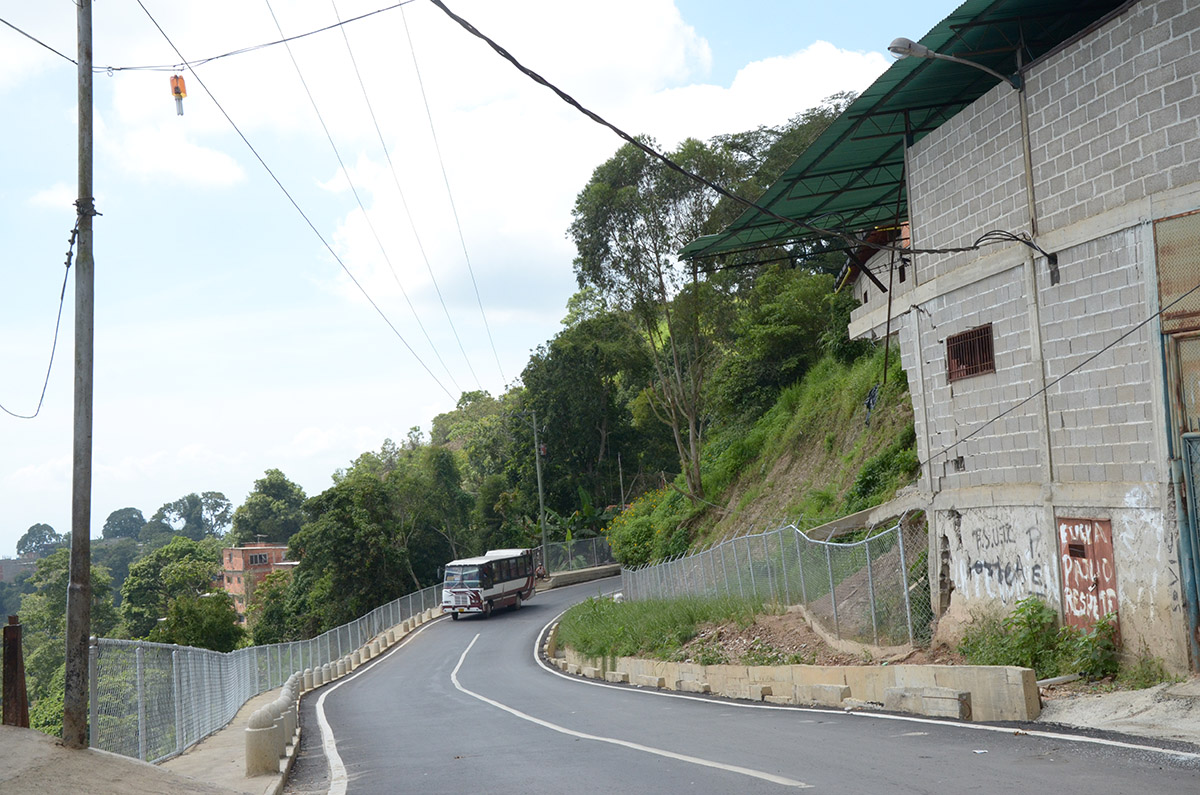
pixel 871 587
pixel 582 554
pixel 152 700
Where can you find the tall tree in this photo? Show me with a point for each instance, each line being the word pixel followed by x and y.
pixel 272 512
pixel 196 516
pixel 124 523
pixel 39 540
pixel 629 223
pixel 182 567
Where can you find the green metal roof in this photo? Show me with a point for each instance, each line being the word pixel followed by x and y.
pixel 852 177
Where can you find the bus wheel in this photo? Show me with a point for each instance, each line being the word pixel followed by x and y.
pixel 454 616
pixel 487 609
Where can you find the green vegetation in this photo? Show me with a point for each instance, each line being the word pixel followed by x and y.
pixel 652 628
pixel 1030 637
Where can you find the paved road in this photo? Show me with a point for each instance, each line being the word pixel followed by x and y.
pixel 463 708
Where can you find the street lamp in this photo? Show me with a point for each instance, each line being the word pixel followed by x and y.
pixel 907 48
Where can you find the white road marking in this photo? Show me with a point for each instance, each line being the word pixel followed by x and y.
pixel 745 771
pixel 650 691
pixel 337 769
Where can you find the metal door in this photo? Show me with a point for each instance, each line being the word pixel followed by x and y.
pixel 1089 578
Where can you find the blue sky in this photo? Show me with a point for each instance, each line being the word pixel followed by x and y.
pixel 228 338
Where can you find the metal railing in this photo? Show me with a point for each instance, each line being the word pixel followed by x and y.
pixel 874 589
pixel 582 554
pixel 152 701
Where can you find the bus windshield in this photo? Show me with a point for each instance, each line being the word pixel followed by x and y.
pixel 462 577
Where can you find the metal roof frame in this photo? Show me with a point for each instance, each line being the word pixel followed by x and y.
pixel 853 173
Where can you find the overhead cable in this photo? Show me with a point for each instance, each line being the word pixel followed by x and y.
pixel 62 295
pixel 366 216
pixel 296 205
pixel 450 194
pixel 403 200
pixel 806 226
pixel 1072 371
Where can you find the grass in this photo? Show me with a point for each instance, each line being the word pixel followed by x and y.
pixel 655 628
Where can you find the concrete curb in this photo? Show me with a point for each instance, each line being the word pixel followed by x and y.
pixel 965 692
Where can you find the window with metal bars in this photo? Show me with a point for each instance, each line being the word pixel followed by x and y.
pixel 970 353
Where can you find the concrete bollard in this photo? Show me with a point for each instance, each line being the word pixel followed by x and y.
pixel 308 679
pixel 341 668
pixel 262 754
pixel 278 739
pixel 355 660
pixel 375 648
pixel 391 636
pixel 326 673
pixel 287 720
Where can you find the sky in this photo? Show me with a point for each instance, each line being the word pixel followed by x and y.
pixel 235 333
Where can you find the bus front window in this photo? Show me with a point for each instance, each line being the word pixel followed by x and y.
pixel 461 577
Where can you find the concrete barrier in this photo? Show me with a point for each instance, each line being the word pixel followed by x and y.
pixel 308 679
pixel 974 692
pixel 262 751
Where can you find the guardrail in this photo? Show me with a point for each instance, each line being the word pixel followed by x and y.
pixel 152 701
pixel 874 589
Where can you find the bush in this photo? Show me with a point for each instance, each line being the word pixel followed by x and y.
pixel 1029 637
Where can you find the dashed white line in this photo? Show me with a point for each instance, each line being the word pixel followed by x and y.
pixel 695 760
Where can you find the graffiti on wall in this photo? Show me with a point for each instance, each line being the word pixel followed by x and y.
pixel 1089 579
pixel 1002 555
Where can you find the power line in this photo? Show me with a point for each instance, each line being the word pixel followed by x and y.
pixel 200 62
pixel 296 205
pixel 1046 388
pixel 57 323
pixel 809 227
pixel 38 41
pixel 403 201
pixel 366 216
pixel 446 178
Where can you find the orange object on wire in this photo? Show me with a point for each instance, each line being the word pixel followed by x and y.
pixel 180 91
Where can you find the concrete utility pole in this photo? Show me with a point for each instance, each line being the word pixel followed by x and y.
pixel 79 594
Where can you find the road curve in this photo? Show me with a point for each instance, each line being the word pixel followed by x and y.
pixel 463 708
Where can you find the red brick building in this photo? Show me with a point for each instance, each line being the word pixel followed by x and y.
pixel 245 566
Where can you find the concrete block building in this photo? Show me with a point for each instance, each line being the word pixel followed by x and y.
pixel 1044 292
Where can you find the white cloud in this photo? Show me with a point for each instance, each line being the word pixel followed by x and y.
pixel 56 197
pixel 165 151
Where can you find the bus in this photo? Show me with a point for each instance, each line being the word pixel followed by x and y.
pixel 499 578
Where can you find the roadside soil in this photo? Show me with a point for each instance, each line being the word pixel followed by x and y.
pixel 786 638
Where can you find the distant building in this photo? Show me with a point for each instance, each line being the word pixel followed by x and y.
pixel 245 566
pixel 11 567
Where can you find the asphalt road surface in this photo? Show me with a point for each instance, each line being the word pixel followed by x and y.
pixel 463 707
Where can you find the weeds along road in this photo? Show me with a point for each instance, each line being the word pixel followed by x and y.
pixel 463 707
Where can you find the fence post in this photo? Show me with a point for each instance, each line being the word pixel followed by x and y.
pixel 767 561
pixel 141 701
pixel 787 592
pixel 837 630
pixel 800 566
pixel 93 691
pixel 750 567
pixel 871 592
pixel 904 579
pixel 176 691
pixel 725 570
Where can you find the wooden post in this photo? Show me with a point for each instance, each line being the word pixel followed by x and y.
pixel 16 700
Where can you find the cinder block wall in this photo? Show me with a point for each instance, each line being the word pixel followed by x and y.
pixel 1115 142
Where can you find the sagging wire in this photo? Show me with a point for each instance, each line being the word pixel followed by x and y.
pixel 80 211
pixel 1056 381
pixel 178 67
pixel 297 206
pixel 808 227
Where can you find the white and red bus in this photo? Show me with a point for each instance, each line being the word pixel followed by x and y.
pixel 500 578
